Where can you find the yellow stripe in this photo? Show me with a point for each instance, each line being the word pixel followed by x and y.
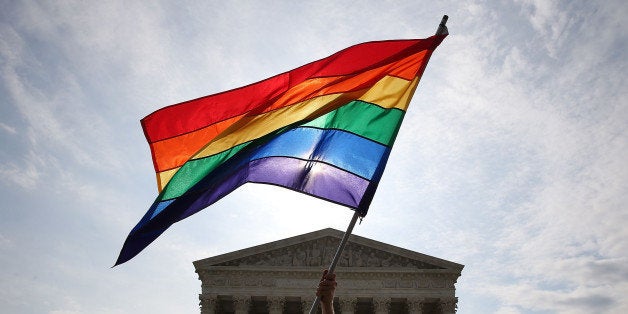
pixel 391 92
pixel 164 177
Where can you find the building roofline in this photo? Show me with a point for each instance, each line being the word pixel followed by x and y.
pixel 261 248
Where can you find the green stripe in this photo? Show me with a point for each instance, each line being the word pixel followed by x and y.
pixel 364 119
pixel 361 118
pixel 194 171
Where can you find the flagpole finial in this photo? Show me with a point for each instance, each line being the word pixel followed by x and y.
pixel 442 28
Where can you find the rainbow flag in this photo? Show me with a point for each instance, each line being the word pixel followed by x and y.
pixel 324 129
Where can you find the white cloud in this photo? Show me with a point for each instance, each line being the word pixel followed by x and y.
pixel 7 128
pixel 62 121
pixel 26 173
pixel 5 242
pixel 69 306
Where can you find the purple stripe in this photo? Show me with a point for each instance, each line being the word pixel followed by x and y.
pixel 309 177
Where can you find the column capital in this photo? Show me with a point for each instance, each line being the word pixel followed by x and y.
pixel 381 304
pixel 415 305
pixel 208 303
pixel 241 303
pixel 306 303
pixel 448 305
pixel 275 304
pixel 347 305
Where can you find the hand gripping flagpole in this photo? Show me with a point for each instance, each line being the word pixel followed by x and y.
pixel 442 30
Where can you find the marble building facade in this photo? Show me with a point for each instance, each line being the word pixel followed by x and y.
pixel 281 277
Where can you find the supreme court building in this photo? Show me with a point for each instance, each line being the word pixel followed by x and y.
pixel 282 276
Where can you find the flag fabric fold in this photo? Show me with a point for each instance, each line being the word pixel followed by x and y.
pixel 325 129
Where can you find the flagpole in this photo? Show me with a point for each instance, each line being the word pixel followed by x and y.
pixel 334 261
pixel 441 30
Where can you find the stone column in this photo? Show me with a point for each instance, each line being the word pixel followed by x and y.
pixel 448 305
pixel 381 305
pixel 241 304
pixel 208 303
pixel 347 305
pixel 415 305
pixel 276 304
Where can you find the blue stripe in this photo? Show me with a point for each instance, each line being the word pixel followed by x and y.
pixel 344 150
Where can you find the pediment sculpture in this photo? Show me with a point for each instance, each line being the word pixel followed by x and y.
pixel 319 252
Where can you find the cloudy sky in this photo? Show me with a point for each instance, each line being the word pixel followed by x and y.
pixel 512 159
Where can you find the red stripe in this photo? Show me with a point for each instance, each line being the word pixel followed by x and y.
pixel 198 113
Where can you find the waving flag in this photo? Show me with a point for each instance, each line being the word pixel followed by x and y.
pixel 324 129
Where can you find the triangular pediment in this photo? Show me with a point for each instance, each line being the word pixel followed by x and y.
pixel 316 249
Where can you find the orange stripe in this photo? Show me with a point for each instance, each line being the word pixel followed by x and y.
pixel 174 152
